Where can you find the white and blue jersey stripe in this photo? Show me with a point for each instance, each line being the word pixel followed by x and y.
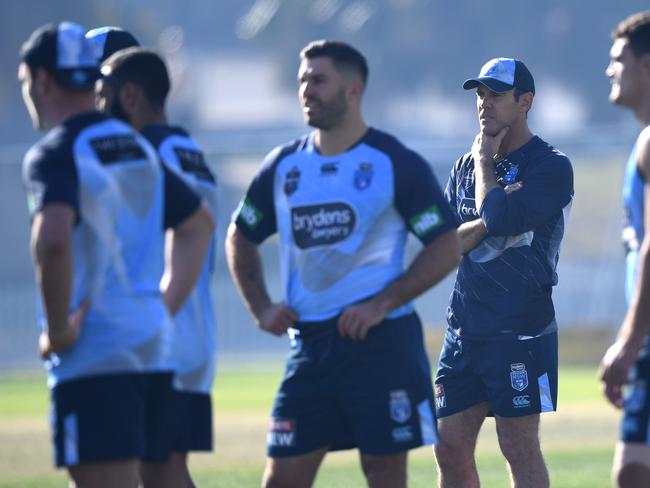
pixel 342 220
pixel 195 339
pixel 113 180
pixel 503 285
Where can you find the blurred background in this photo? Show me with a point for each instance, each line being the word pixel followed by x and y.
pixel 234 65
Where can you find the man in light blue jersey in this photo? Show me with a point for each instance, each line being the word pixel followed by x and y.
pixel 135 88
pixel 342 200
pixel 512 195
pixel 97 194
pixel 625 368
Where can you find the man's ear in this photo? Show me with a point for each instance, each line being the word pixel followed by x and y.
pixel 645 65
pixel 43 81
pixel 356 88
pixel 526 101
pixel 130 94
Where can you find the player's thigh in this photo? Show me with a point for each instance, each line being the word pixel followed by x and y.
pixel 385 471
pixel 631 459
pixel 519 434
pixel 293 471
pixel 459 431
pixel 106 474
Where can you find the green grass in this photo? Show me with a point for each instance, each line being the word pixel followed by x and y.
pixel 578 440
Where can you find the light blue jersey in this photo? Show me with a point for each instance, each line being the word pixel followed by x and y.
pixel 633 231
pixel 112 178
pixel 195 339
pixel 342 220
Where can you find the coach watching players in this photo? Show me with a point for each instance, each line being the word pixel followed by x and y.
pixel 625 368
pixel 97 194
pixel 135 89
pixel 512 194
pixel 342 200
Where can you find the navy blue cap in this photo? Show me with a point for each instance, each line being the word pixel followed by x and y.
pixel 63 50
pixel 109 40
pixel 501 75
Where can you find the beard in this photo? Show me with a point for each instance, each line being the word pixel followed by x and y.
pixel 331 113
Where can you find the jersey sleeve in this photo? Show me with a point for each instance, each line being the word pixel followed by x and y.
pixel 255 215
pixel 419 199
pixel 451 190
pixel 50 177
pixel 547 189
pixel 180 200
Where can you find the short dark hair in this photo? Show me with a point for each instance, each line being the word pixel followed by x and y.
pixel 636 29
pixel 143 67
pixel 342 55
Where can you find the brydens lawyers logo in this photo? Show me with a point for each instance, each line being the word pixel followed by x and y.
pixel 282 433
pixel 327 223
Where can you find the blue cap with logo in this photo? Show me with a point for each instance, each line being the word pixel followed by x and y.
pixel 62 50
pixel 501 75
pixel 109 40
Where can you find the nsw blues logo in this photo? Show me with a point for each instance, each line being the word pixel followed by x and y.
pixel 518 376
pixel 291 181
pixel 507 172
pixel 400 406
pixel 363 176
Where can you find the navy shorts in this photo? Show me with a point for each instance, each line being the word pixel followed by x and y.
pixel 111 417
pixel 191 421
pixel 374 394
pixel 635 426
pixel 517 377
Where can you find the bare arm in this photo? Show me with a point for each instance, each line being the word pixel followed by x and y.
pixel 431 265
pixel 245 266
pixel 52 254
pixel 185 250
pixel 472 233
pixel 622 355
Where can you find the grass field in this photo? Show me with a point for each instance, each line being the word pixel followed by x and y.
pixel 578 439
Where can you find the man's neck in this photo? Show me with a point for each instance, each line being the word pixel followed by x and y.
pixel 145 119
pixel 514 139
pixel 340 139
pixel 70 106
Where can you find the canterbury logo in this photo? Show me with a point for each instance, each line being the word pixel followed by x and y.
pixel 521 401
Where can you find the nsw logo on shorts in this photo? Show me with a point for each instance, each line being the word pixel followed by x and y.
pixel 518 376
pixel 400 406
pixel 282 433
pixel 441 401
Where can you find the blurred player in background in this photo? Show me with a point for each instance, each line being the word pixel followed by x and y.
pixel 342 200
pixel 625 368
pixel 97 195
pixel 512 194
pixel 134 88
